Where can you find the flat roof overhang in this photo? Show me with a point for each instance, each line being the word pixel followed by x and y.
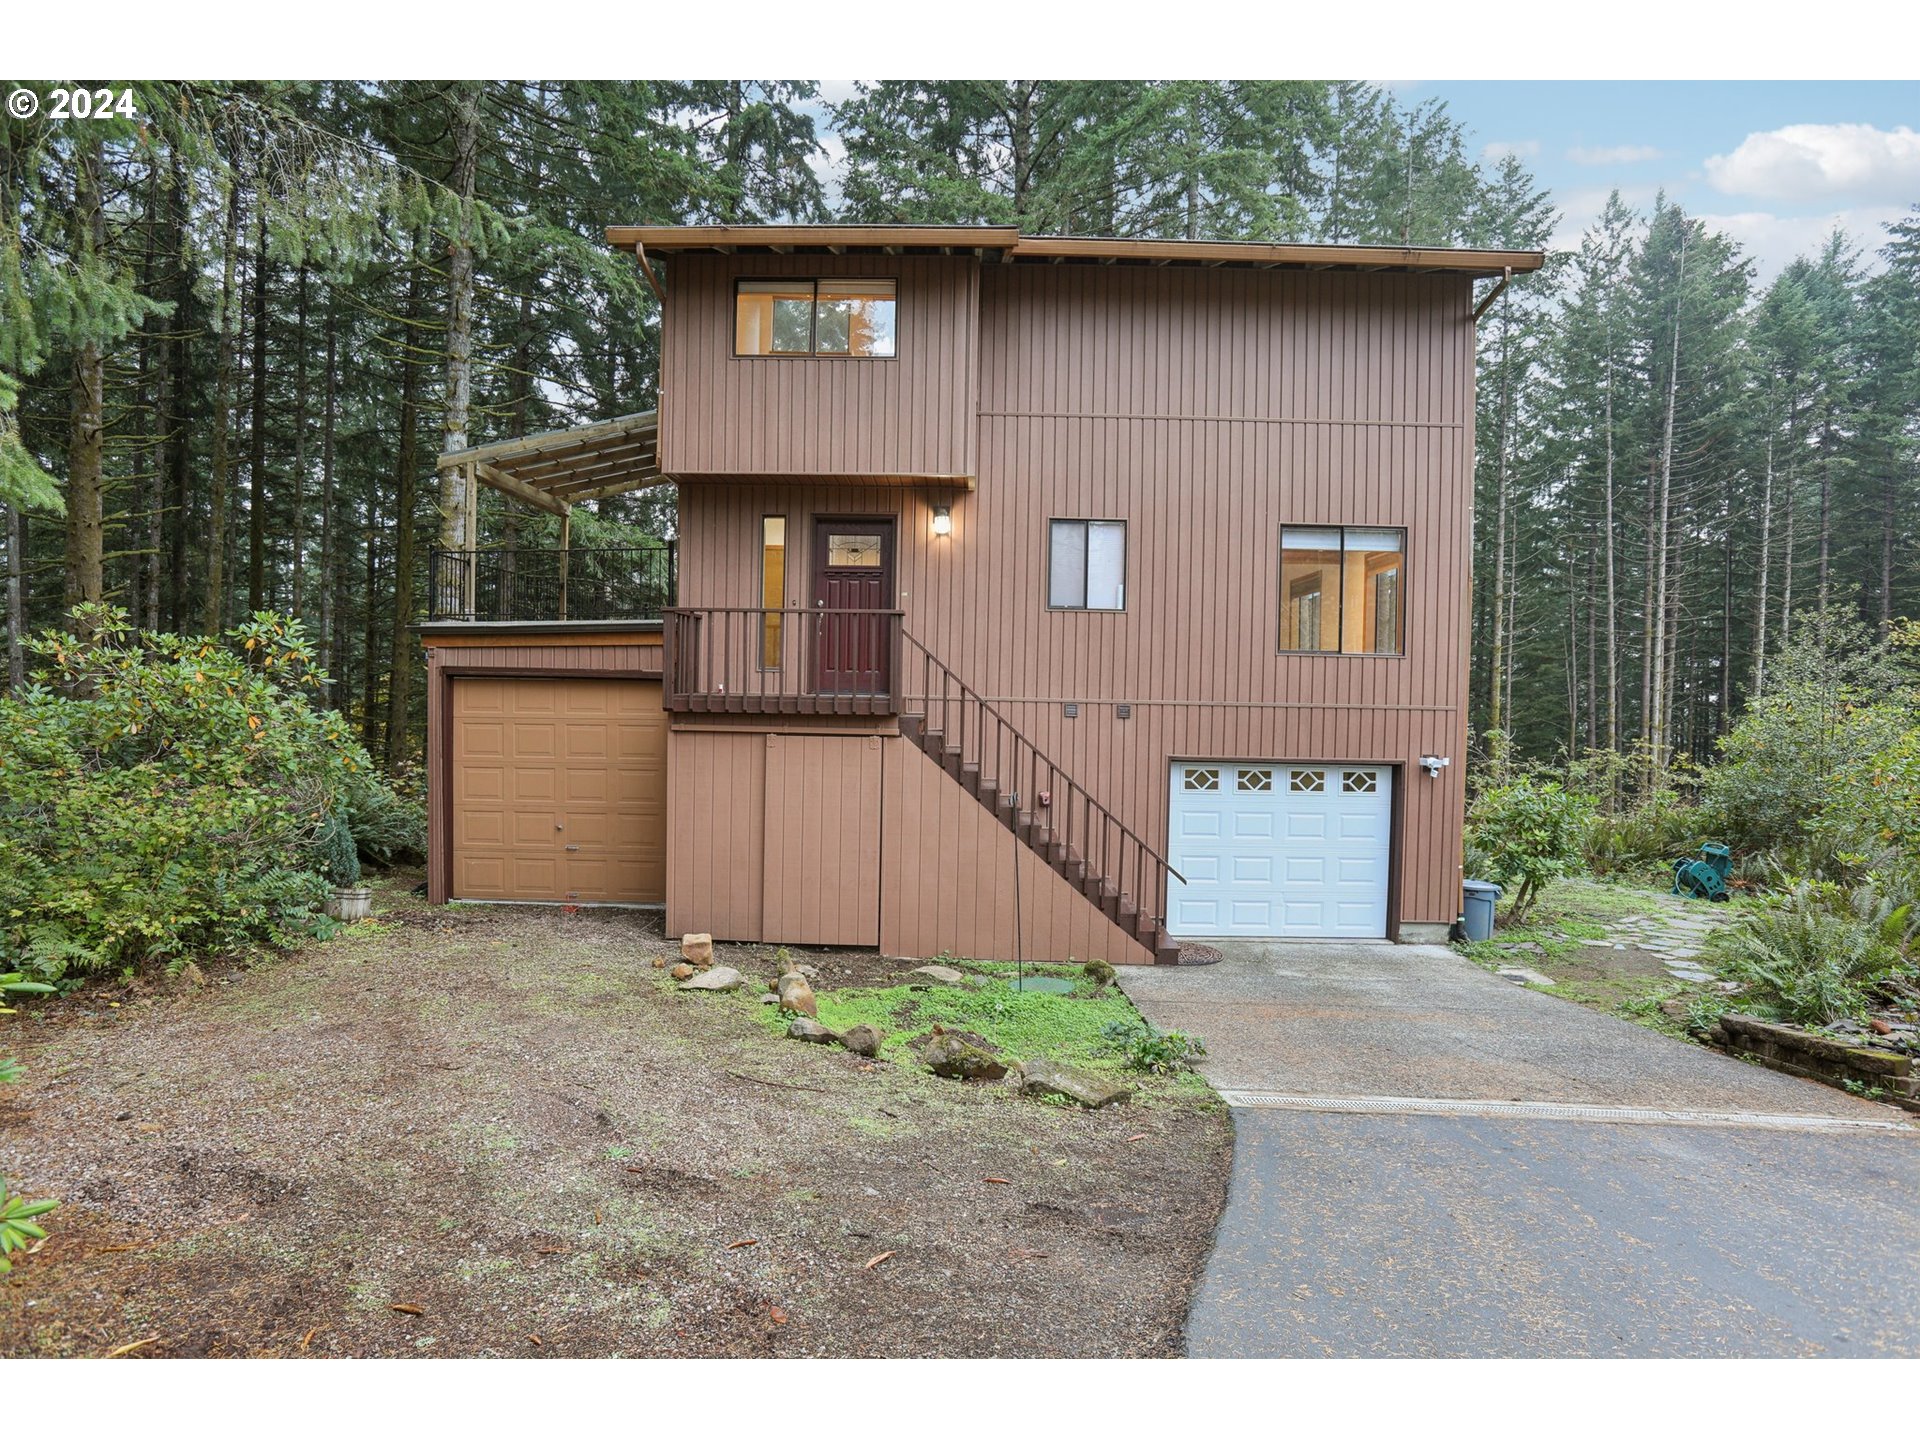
pixel 557 470
pixel 1006 243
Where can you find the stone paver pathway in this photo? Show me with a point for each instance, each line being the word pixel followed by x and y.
pixel 1676 932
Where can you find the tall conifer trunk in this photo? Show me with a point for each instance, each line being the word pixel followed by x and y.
pixel 86 433
pixel 257 448
pixel 400 655
pixel 213 614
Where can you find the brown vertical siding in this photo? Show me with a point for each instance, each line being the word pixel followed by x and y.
pixel 912 415
pixel 823 819
pixel 947 880
pixel 1206 408
pixel 716 807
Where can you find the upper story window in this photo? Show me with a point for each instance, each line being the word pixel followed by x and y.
pixel 1087 565
pixel 1342 589
pixel 850 319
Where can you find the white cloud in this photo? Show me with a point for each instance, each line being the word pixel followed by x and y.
pixel 1519 149
pixel 1612 154
pixel 1822 162
pixel 1771 240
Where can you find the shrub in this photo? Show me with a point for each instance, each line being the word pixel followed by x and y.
pixel 161 792
pixel 17 1230
pixel 1643 836
pixel 1528 831
pixel 1815 952
pixel 388 820
pixel 1154 1051
pixel 1836 702
pixel 338 857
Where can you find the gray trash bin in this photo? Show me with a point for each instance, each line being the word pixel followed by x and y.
pixel 1480 898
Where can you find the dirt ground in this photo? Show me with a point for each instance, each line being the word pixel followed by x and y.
pixel 509 1122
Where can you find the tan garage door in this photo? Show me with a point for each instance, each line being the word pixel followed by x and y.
pixel 559 790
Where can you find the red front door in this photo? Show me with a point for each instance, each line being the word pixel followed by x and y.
pixel 852 572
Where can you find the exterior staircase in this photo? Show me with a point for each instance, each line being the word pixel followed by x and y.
pixel 1050 813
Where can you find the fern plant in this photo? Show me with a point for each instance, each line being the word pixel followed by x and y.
pixel 1815 952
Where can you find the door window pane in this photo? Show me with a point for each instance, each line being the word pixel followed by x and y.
pixel 853 552
pixel 773 586
pixel 1087 565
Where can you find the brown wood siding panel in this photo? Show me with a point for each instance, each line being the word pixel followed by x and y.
pixel 723 414
pixel 947 880
pixel 822 868
pixel 716 803
pixel 1207 409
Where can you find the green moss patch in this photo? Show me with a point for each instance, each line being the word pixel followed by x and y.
pixel 1021 1024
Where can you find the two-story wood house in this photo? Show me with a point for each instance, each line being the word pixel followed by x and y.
pixel 1116 588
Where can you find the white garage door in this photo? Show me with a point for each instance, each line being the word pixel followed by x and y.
pixel 1277 849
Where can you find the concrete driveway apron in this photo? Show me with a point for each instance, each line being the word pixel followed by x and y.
pixel 1433 1161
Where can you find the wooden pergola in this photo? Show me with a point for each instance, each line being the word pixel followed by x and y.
pixel 557 470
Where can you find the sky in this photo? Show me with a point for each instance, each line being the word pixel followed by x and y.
pixel 1774 164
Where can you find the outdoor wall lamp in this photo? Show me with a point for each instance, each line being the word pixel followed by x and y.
pixel 942 520
pixel 1434 764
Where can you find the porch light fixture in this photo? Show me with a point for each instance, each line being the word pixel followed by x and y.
pixel 942 520
pixel 1434 764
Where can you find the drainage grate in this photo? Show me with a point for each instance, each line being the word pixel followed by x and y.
pixel 1543 1110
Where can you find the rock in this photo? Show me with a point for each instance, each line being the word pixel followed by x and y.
pixel 807 972
pixel 769 999
pixel 1045 1077
pixel 720 977
pixel 1520 975
pixel 939 974
pixel 1098 971
pixel 697 948
pixel 806 1028
pixel 796 995
pixel 659 962
pixel 959 1059
pixel 682 971
pixel 863 1040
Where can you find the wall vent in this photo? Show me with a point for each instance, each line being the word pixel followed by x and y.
pixel 1071 709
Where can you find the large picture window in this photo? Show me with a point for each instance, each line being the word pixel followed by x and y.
pixel 1342 589
pixel 1087 565
pixel 851 319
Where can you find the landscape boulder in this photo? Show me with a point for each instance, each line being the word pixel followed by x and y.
pixel 1048 1077
pixel 796 995
pixel 862 1040
pixel 939 974
pixel 961 1057
pixel 697 948
pixel 720 977
pixel 1098 971
pixel 682 971
pixel 805 1028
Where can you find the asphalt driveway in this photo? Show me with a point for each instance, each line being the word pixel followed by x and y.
pixel 1430 1161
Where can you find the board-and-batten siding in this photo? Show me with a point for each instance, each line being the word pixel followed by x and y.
pixel 911 415
pixel 1207 409
pixel 809 839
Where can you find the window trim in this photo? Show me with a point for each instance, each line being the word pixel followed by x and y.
pixel 733 345
pixel 1126 557
pixel 1280 613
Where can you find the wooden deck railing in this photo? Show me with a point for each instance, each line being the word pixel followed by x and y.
pixel 787 661
pixel 633 582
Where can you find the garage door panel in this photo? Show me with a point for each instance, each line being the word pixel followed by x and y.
pixel 1273 849
pixel 540 765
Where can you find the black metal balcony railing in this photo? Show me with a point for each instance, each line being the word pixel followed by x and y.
pixel 635 582
pixel 789 661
